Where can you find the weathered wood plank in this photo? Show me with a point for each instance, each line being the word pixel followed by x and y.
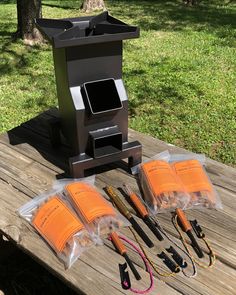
pixel 26 238
pixel 26 171
pixel 28 166
pixel 198 285
pixel 92 273
pixel 23 137
pixel 220 224
pixel 21 169
pixel 221 174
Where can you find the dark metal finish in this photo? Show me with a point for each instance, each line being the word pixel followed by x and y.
pixel 141 233
pixel 92 99
pixel 64 33
pixel 54 128
pixel 194 244
pixel 169 262
pixel 197 229
pixel 132 267
pixel 177 258
pixel 124 276
pixel 153 228
pixel 79 164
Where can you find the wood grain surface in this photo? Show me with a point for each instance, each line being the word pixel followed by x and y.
pixel 29 166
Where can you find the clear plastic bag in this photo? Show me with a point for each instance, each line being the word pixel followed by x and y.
pixel 58 225
pixel 98 215
pixel 162 189
pixel 165 156
pixel 190 170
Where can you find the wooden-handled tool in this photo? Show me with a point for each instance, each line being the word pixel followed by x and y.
pixel 125 211
pixel 122 250
pixel 187 228
pixel 142 211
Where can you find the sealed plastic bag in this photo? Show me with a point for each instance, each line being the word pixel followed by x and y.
pixel 98 214
pixel 161 187
pixel 190 170
pixel 58 225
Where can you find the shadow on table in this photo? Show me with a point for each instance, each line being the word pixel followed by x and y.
pixel 35 133
pixel 21 275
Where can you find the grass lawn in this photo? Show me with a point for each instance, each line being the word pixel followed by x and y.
pixel 180 74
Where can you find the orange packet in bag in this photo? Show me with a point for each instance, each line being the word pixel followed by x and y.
pixel 160 177
pixel 56 223
pixel 193 176
pixel 89 201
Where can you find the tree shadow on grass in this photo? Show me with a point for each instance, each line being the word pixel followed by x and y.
pixel 159 97
pixel 8 1
pixel 9 57
pixel 28 89
pixel 65 4
pixel 7 29
pixel 163 93
pixel 174 16
pixel 17 60
pixel 11 60
pixel 72 5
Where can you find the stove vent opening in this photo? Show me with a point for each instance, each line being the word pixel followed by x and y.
pixel 102 96
pixel 105 142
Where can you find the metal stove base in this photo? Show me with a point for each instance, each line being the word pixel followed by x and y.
pixel 80 163
pixel 131 150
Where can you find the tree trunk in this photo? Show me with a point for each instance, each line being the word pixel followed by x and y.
pixel 27 11
pixel 91 5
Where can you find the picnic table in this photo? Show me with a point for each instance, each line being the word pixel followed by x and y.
pixel 29 166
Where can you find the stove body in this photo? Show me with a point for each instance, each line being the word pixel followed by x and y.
pixel 92 99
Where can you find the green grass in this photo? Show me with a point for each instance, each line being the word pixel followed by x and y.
pixel 180 74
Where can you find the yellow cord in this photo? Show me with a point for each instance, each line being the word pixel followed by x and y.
pixel 211 254
pixel 164 274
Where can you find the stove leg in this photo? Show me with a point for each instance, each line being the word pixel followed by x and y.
pixel 75 170
pixel 136 158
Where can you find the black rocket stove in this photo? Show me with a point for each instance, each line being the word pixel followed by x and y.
pixel 92 99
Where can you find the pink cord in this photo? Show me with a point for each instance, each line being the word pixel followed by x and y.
pixel 146 264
